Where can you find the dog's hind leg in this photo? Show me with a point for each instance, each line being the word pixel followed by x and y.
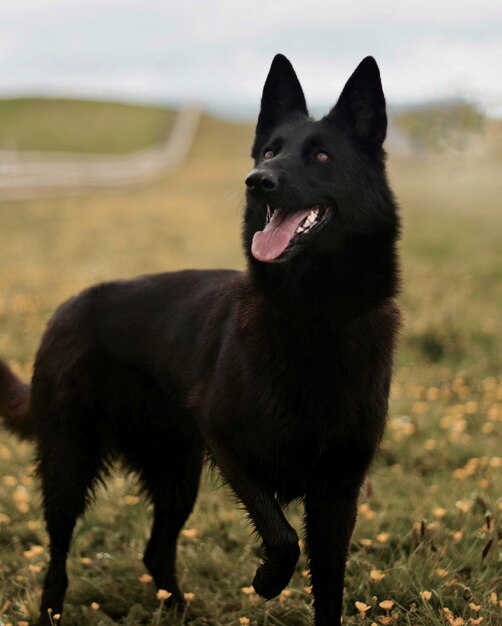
pixel 169 469
pixel 69 463
pixel 173 502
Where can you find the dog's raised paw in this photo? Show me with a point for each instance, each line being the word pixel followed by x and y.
pixel 271 578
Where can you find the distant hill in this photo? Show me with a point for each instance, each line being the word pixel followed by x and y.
pixel 66 125
pixel 439 125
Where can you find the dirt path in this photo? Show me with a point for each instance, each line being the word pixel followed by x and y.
pixel 34 174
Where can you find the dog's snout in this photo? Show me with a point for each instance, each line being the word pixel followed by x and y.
pixel 258 180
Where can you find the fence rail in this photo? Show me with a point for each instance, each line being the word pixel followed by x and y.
pixel 28 174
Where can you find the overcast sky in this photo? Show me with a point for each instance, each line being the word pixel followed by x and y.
pixel 218 51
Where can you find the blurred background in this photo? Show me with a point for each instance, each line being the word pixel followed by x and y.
pixel 125 132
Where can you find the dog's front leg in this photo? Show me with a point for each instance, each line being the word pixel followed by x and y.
pixel 330 515
pixel 280 541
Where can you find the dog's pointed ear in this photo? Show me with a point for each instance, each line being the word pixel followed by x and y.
pixel 361 106
pixel 282 97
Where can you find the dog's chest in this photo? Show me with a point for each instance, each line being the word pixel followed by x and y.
pixel 286 461
pixel 292 429
pixel 321 401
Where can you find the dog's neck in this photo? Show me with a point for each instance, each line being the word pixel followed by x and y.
pixel 342 284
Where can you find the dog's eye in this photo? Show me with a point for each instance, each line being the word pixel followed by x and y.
pixel 269 154
pixel 322 157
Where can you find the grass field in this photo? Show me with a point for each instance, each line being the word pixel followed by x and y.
pixel 428 540
pixel 89 126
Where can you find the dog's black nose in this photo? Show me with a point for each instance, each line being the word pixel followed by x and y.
pixel 258 180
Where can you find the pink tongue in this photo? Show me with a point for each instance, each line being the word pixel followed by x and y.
pixel 270 243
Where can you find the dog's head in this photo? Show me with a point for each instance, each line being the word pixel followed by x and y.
pixel 317 186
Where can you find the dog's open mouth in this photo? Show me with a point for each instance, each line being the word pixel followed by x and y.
pixel 284 230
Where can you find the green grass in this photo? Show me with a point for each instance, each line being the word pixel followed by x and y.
pixel 430 513
pixel 65 125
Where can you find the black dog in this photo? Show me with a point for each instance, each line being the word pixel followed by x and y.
pixel 281 373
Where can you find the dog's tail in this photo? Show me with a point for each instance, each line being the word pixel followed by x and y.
pixel 15 403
